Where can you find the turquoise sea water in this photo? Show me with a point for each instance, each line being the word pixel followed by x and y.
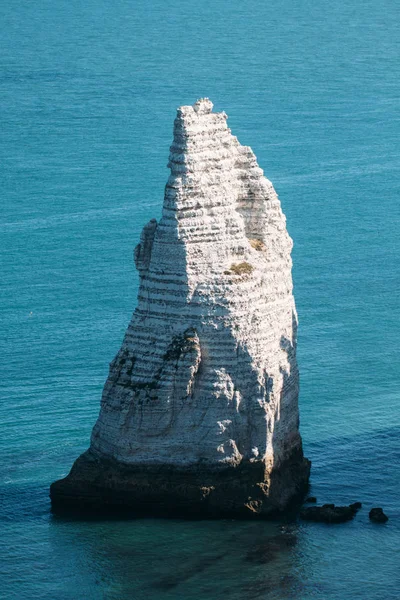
pixel 88 93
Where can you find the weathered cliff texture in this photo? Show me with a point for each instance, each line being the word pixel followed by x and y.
pixel 199 414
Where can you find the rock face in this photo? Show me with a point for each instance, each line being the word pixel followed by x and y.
pixel 199 414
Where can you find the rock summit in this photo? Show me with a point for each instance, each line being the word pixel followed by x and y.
pixel 199 414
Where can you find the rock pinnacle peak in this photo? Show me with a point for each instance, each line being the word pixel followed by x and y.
pixel 203 106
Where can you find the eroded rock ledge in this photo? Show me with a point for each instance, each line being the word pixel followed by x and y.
pixel 199 414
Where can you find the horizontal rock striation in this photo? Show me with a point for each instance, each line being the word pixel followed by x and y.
pixel 199 414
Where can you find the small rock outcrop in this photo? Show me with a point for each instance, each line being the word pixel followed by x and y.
pixel 329 513
pixel 199 414
pixel 377 515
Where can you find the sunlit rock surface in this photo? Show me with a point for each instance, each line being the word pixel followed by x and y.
pixel 199 414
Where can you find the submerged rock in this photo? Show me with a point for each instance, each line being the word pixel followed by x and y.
pixel 199 414
pixel 377 515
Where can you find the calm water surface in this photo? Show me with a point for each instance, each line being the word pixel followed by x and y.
pixel 88 93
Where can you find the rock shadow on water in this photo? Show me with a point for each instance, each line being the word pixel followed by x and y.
pixel 276 586
pixel 173 580
pixel 271 548
pixel 239 570
pixel 282 587
pixel 153 559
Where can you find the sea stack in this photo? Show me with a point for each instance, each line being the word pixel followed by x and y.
pixel 199 415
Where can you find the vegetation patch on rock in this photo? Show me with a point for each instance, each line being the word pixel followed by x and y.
pixel 257 244
pixel 243 268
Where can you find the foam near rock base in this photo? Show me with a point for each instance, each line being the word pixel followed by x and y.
pixel 205 385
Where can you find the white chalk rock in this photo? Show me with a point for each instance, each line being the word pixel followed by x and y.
pixel 206 380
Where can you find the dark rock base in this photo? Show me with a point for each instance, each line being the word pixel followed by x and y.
pixel 97 485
